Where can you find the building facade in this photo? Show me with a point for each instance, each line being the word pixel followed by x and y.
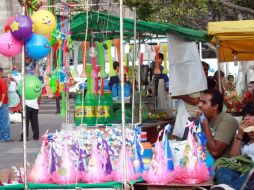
pixel 8 8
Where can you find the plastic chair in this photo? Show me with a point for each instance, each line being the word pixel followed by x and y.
pixel 249 181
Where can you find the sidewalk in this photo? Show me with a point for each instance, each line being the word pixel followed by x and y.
pixel 11 152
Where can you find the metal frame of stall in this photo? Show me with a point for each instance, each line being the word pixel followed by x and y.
pixel 125 183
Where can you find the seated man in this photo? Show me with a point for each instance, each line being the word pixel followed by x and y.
pixel 219 127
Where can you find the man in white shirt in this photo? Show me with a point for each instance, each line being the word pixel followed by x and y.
pixel 32 110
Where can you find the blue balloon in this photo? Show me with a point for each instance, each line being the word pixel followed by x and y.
pixel 37 47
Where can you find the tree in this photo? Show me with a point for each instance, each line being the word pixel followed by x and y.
pixel 192 13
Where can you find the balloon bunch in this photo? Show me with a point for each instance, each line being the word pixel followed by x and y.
pixel 30 31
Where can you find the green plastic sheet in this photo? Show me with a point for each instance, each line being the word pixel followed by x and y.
pixel 106 26
pixel 111 184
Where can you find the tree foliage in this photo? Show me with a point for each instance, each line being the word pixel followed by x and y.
pixel 192 13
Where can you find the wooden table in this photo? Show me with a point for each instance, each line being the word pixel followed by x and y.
pixel 153 129
pixel 173 186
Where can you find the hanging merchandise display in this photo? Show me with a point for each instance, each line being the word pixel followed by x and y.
pixel 103 110
pixel 116 43
pixel 126 61
pixel 89 109
pixel 84 52
pixel 112 72
pixel 89 100
pixel 75 58
pixel 79 110
pixel 157 65
pixel 164 49
pixel 63 107
pixel 92 53
pixel 103 73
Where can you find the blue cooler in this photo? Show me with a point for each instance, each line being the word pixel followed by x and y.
pixel 119 90
pixel 127 90
pixel 114 91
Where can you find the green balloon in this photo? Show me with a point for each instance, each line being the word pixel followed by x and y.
pixel 33 87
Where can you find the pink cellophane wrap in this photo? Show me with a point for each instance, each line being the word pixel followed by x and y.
pixel 119 172
pixel 158 173
pixel 39 172
pixel 66 173
pixel 196 175
pixel 191 170
pixel 95 172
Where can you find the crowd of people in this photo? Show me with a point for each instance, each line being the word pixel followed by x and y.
pixel 10 102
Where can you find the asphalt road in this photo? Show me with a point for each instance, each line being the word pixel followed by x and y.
pixel 11 152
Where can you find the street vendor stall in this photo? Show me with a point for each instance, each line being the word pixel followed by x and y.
pixel 105 28
pixel 66 158
pixel 234 41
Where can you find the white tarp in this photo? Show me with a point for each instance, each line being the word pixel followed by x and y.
pixel 186 74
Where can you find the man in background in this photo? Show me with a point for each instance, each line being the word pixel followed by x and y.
pixel 115 79
pixel 156 77
pixel 4 110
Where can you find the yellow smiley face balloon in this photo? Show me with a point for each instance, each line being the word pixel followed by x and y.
pixel 44 22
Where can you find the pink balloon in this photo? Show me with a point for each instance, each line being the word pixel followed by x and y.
pixel 9 46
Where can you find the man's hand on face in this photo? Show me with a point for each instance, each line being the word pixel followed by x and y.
pixel 202 119
pixel 205 122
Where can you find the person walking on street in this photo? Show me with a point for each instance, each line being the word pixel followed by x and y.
pixel 4 110
pixel 32 110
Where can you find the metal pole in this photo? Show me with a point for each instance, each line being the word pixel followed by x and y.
pixel 67 115
pixel 80 5
pixel 133 73
pixel 122 96
pixel 139 89
pixel 24 112
pixel 200 50
pixel 218 62
pixel 67 92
